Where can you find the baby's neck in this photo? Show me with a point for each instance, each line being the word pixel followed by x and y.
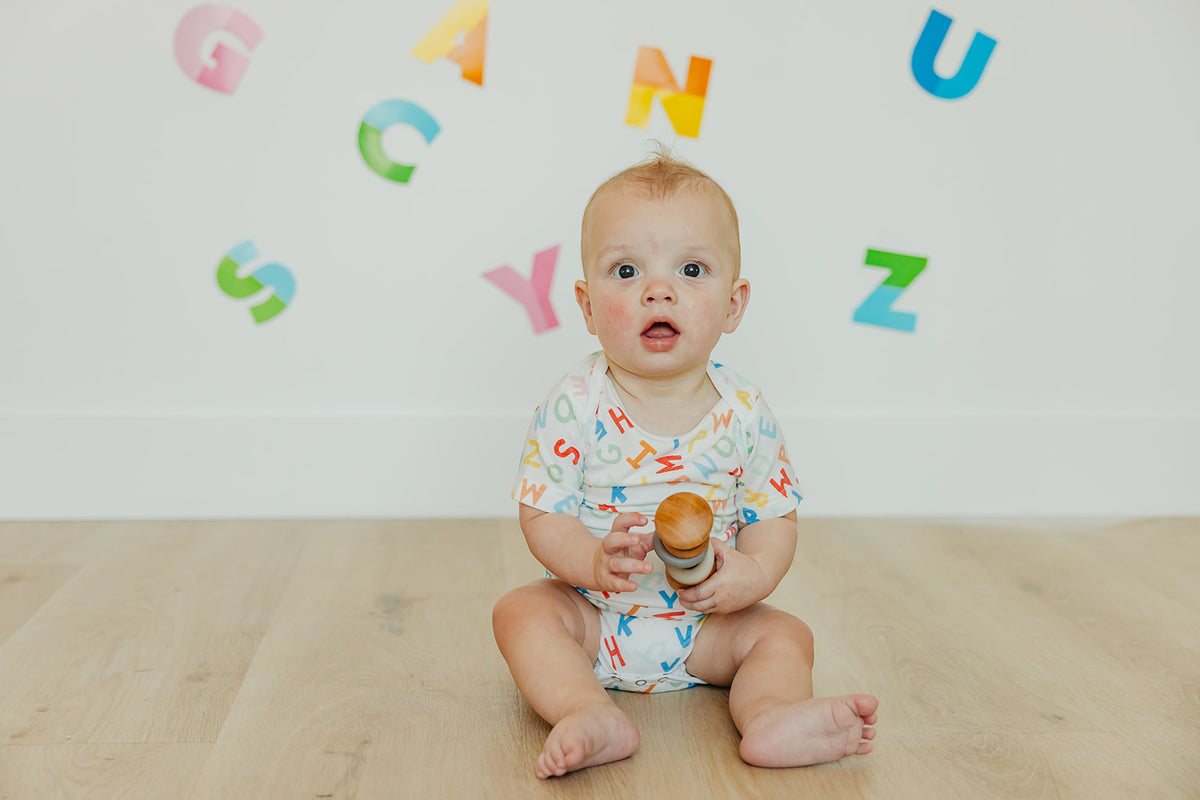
pixel 666 407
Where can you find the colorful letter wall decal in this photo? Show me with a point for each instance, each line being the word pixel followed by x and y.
pixel 652 78
pixel 461 37
pixel 383 116
pixel 533 293
pixel 877 308
pixel 468 17
pixel 275 276
pixel 230 64
pixel 926 50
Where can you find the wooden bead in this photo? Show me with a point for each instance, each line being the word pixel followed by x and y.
pixel 684 522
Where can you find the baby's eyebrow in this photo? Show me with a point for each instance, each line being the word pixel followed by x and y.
pixel 690 250
pixel 612 250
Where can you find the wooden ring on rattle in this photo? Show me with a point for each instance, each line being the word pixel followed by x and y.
pixel 698 573
pixel 672 560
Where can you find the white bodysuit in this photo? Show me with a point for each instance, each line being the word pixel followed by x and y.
pixel 585 457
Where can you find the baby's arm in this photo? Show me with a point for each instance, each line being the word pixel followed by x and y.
pixel 748 574
pixel 565 547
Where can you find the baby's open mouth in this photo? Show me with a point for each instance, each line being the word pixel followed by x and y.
pixel 659 337
pixel 660 330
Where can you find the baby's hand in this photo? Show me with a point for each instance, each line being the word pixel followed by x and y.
pixel 622 553
pixel 737 583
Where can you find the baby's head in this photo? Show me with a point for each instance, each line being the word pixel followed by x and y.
pixel 662 177
pixel 661 267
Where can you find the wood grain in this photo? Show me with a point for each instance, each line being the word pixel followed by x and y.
pixel 354 659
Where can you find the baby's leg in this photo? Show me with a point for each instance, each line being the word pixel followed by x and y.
pixel 549 635
pixel 765 656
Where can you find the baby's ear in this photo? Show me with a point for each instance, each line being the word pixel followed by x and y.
pixel 739 297
pixel 585 304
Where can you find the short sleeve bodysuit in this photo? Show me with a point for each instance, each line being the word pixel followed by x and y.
pixel 584 456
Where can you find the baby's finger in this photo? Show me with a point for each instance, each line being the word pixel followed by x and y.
pixel 623 522
pixel 645 544
pixel 720 551
pixel 616 583
pixel 626 566
pixel 617 541
pixel 703 606
pixel 698 593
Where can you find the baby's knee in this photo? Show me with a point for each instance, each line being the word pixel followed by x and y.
pixel 513 607
pixel 784 628
pixel 533 606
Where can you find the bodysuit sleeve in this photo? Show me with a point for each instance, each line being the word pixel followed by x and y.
pixel 550 475
pixel 768 480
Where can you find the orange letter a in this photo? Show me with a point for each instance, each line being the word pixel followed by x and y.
pixel 467 15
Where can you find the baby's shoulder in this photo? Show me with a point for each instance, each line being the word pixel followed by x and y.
pixel 570 394
pixel 579 379
pixel 741 394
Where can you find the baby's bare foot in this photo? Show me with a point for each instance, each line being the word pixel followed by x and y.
pixel 586 738
pixel 811 732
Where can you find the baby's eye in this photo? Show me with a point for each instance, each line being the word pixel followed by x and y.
pixel 627 271
pixel 692 270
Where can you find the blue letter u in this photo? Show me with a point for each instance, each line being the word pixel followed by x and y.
pixel 927 49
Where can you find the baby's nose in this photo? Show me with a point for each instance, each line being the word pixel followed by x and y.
pixel 658 290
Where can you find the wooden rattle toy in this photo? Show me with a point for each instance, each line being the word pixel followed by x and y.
pixel 682 525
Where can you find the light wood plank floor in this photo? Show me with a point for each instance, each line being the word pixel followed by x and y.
pixel 328 659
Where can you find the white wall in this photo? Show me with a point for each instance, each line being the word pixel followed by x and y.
pixel 1053 368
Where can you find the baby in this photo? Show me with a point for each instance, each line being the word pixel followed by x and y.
pixel 648 416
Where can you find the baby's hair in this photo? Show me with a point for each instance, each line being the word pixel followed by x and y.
pixel 661 175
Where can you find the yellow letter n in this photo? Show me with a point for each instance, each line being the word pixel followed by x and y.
pixel 469 16
pixel 652 78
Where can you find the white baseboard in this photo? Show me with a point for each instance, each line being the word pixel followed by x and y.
pixel 383 467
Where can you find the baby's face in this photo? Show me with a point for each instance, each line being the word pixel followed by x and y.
pixel 661 278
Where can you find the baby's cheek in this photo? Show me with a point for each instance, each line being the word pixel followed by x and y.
pixel 614 318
